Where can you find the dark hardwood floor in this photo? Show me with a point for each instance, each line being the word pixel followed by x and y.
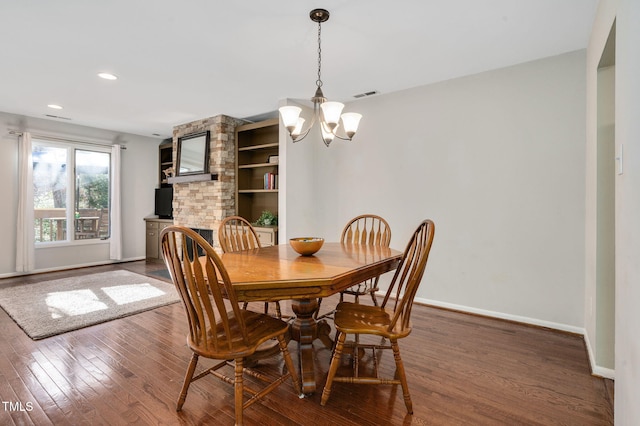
pixel 462 370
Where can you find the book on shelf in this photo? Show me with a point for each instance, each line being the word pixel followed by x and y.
pixel 270 181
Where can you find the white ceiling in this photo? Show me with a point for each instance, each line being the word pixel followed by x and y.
pixel 180 61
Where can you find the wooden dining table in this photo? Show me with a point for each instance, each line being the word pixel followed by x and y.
pixel 279 273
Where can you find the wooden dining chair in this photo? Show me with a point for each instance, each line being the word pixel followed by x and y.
pixel 390 320
pixel 235 233
pixel 366 229
pixel 218 328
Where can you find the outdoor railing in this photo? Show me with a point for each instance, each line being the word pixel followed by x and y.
pixel 51 224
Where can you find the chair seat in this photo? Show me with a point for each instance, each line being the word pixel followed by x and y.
pixel 354 318
pixel 260 328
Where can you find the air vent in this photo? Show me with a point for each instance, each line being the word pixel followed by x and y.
pixel 362 95
pixel 57 116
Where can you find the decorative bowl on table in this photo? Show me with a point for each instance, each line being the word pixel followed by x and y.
pixel 306 246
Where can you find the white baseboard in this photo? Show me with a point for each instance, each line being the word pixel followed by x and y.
pixel 62 268
pixel 606 373
pixel 595 369
pixel 501 315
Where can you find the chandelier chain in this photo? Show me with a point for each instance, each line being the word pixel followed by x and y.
pixel 319 80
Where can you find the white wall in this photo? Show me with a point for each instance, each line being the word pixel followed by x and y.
pixel 497 161
pixel 627 356
pixel 626 14
pixel 298 201
pixel 598 40
pixel 604 302
pixel 139 178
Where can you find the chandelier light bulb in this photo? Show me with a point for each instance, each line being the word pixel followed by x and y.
pixel 327 134
pixel 350 122
pixel 290 116
pixel 298 129
pixel 331 112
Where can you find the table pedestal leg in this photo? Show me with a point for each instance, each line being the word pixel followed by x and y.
pixel 305 330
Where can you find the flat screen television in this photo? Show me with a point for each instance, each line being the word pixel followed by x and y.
pixel 164 203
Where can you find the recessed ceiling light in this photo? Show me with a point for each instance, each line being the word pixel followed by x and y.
pixel 107 76
pixel 54 106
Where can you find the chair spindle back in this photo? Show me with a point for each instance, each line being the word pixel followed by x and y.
pixel 367 229
pixel 203 284
pixel 235 233
pixel 408 275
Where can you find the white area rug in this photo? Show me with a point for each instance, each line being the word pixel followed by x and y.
pixel 57 306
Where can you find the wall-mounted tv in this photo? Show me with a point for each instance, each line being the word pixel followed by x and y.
pixel 164 203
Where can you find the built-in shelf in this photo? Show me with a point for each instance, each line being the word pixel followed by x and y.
pixel 257 168
pixel 253 166
pixel 166 161
pixel 249 191
pixel 261 146
pixel 193 178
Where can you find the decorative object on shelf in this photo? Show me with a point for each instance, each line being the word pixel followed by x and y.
pixel 273 159
pixel 168 172
pixel 267 219
pixel 306 246
pixel 193 154
pixel 325 112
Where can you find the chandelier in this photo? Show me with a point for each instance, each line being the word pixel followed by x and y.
pixel 327 114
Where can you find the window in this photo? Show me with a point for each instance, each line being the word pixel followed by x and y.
pixel 70 192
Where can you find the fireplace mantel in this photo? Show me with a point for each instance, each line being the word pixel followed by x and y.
pixel 203 177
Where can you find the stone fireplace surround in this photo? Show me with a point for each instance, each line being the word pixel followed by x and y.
pixel 204 204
